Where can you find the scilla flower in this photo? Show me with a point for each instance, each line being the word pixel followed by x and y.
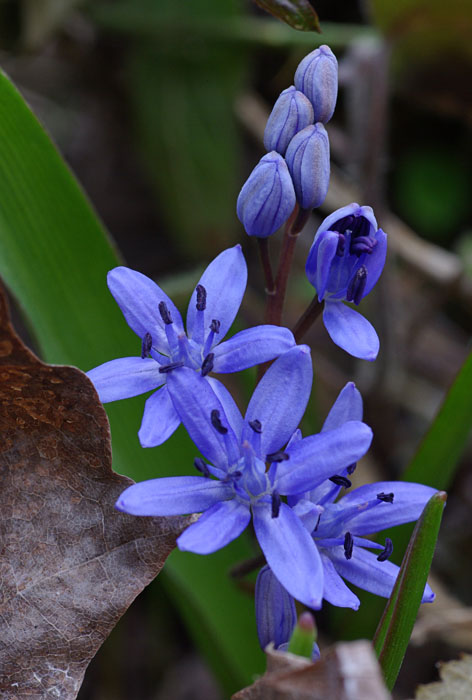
pixel 344 263
pixel 166 348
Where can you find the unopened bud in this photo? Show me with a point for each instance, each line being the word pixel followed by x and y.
pixel 317 77
pixel 308 161
pixel 275 610
pixel 291 113
pixel 267 198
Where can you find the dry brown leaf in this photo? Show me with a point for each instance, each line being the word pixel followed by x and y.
pixel 346 671
pixel 70 563
pixel 455 684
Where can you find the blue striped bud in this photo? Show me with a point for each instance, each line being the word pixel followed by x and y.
pixel 291 113
pixel 267 198
pixel 308 162
pixel 275 610
pixel 317 77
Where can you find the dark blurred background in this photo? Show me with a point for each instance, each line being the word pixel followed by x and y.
pixel 159 106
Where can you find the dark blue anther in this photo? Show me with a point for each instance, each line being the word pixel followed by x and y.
pixel 146 345
pixel 340 481
pixel 362 244
pixel 201 297
pixel 275 504
pixel 202 466
pixel 356 286
pixel 256 425
pixel 386 497
pixel 351 468
pixel 215 326
pixel 279 456
pixel 165 369
pixel 343 224
pixel 348 545
pixel 387 551
pixel 216 422
pixel 207 365
pixel 341 245
pixel 165 313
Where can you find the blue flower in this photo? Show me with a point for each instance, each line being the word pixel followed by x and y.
pixel 291 113
pixel 267 198
pixel 317 77
pixel 167 349
pixel 338 529
pixel 344 263
pixel 307 159
pixel 237 450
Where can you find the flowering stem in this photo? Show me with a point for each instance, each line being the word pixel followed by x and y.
pixel 266 266
pixel 308 317
pixel 275 302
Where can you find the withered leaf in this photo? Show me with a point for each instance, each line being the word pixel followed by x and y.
pixel 299 14
pixel 346 671
pixel 70 563
pixel 455 683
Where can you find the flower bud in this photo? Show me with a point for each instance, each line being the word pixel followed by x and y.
pixel 291 113
pixel 308 161
pixel 267 198
pixel 275 610
pixel 317 77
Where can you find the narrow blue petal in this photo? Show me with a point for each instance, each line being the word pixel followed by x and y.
pixel 138 298
pixel 335 590
pixel 160 419
pixel 125 377
pixel 318 457
pixel 375 261
pixel 364 571
pixel 194 400
pixel 408 503
pixel 175 495
pixel 348 406
pixel 291 553
pixel 320 257
pixel 280 399
pixel 308 512
pixel 216 528
pixel 252 347
pixel 351 331
pixel 275 610
pixel 224 281
pixel 232 412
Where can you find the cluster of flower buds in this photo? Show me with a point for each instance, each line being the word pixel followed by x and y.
pixel 296 169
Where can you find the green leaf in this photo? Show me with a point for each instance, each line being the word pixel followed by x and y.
pixel 299 14
pixel 54 256
pixel 395 627
pixel 438 455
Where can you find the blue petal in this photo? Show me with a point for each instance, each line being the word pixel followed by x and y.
pixel 280 399
pixel 318 457
pixel 124 378
pixel 216 528
pixel 160 419
pixel 291 553
pixel 251 347
pixel 351 331
pixel 365 571
pixel 138 298
pixel 275 610
pixel 225 281
pixel 320 257
pixel 348 406
pixel 194 401
pixel 408 503
pixel 335 590
pixel 375 261
pixel 308 512
pixel 175 495
pixel 232 412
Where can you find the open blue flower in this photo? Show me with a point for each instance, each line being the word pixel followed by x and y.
pixel 166 348
pixel 338 529
pixel 344 263
pixel 238 450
